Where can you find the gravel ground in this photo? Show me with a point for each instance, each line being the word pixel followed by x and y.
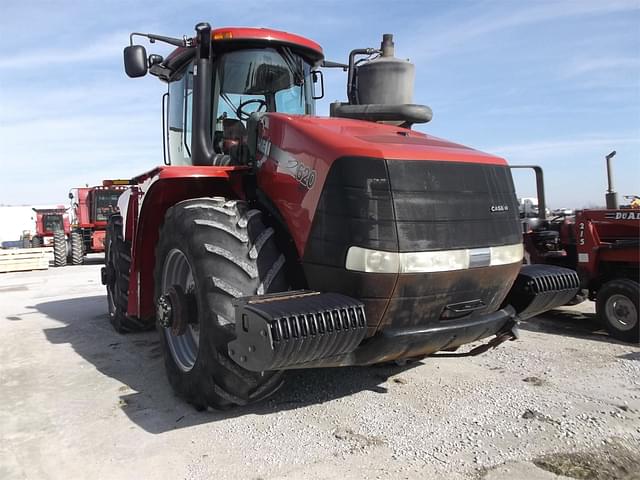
pixel 81 401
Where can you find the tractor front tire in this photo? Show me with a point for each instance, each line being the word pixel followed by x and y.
pixel 77 248
pixel 36 242
pixel 617 306
pixel 213 250
pixel 59 248
pixel 117 263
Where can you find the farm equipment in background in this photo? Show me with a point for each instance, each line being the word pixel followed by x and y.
pixel 603 246
pixel 52 229
pixel 273 239
pixel 91 209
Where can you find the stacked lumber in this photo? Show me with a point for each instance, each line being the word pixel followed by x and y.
pixel 22 259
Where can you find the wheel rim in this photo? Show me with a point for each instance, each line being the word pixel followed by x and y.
pixel 621 312
pixel 184 348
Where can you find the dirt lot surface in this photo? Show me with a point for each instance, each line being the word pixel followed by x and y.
pixel 81 401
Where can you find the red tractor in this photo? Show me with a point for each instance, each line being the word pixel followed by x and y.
pixel 52 229
pixel 273 239
pixel 603 246
pixel 92 207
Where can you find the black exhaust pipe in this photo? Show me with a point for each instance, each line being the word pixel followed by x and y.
pixel 201 142
pixel 611 197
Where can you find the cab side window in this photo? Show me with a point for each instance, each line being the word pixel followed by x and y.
pixel 179 118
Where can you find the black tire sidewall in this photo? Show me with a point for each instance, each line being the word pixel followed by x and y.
pixel 215 380
pixel 196 385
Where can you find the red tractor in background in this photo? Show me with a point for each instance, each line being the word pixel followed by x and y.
pixel 603 246
pixel 52 229
pixel 274 239
pixel 91 209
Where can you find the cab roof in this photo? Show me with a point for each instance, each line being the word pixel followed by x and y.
pixel 265 35
pixel 237 37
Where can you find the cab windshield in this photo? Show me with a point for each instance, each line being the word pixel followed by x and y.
pixel 106 204
pixel 266 80
pixel 52 222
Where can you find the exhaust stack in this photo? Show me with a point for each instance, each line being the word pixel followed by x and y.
pixel 611 196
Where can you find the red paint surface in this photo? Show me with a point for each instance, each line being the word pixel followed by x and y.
pixel 595 235
pixel 165 187
pixel 318 142
pixel 97 241
pixel 265 34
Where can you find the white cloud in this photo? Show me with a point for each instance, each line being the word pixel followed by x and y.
pixel 610 66
pixel 460 31
pixel 567 147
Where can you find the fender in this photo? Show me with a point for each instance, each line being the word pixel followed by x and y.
pixel 150 196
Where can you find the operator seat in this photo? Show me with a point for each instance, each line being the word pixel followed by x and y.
pixel 234 140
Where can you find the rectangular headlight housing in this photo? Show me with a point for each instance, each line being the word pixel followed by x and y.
pixel 376 261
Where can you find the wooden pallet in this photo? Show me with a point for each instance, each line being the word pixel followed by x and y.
pixel 23 259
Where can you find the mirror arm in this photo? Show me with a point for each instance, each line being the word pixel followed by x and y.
pixel 184 42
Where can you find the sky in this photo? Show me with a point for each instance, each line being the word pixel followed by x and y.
pixel 552 83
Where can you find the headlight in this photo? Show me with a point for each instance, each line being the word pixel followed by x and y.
pixel 506 254
pixel 372 261
pixel 442 261
pixel 378 261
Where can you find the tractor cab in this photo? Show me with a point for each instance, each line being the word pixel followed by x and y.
pixel 104 203
pixel 248 71
pixel 256 80
pixel 51 222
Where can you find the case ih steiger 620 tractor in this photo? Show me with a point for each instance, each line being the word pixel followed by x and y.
pixel 52 229
pixel 91 207
pixel 273 239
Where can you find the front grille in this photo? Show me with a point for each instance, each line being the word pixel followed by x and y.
pixel 451 205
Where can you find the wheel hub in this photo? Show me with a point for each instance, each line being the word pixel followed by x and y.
pixel 622 311
pixel 174 309
pixel 164 311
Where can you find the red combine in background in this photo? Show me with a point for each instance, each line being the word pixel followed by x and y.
pixel 52 229
pixel 91 209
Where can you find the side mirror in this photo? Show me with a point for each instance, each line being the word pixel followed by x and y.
pixel 135 61
pixel 317 77
pixel 70 196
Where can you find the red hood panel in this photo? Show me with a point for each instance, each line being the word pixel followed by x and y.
pixel 346 137
pixel 295 154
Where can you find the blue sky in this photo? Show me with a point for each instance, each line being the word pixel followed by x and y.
pixel 555 83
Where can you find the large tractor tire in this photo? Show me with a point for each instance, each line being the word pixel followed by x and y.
pixel 617 306
pixel 210 251
pixel 117 262
pixel 77 248
pixel 59 248
pixel 36 242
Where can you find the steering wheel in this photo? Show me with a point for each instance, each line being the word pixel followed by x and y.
pixel 242 115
